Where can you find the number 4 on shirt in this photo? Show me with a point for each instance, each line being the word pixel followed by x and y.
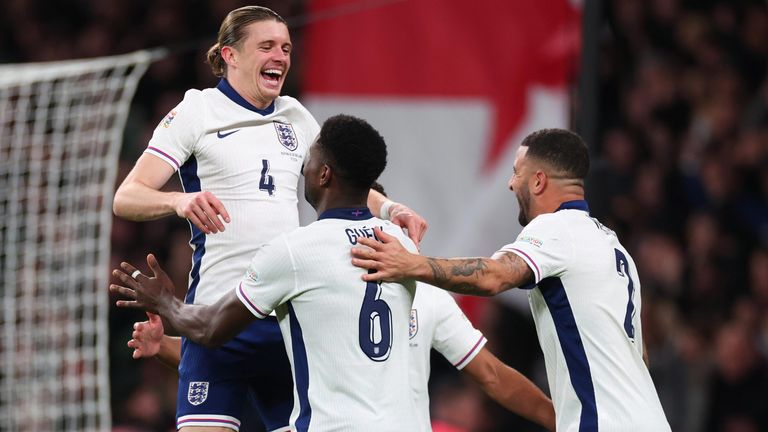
pixel 622 268
pixel 267 182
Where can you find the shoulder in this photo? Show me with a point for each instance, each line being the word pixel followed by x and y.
pixel 394 230
pixel 548 224
pixel 194 102
pixel 296 113
pixel 439 300
pixel 292 103
pixel 195 95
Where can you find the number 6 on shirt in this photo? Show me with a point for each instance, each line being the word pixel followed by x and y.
pixel 375 324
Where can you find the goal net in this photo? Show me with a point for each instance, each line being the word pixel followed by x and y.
pixel 61 126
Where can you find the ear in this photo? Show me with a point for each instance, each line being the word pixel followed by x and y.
pixel 229 55
pixel 326 174
pixel 540 182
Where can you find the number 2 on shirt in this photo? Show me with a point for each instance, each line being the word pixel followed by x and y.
pixel 622 268
pixel 375 324
pixel 266 182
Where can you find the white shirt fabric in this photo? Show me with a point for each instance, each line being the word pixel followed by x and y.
pixel 347 339
pixel 437 322
pixel 251 160
pixel 586 306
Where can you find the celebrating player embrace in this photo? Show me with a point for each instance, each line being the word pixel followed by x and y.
pixel 347 340
pixel 239 149
pixel 584 291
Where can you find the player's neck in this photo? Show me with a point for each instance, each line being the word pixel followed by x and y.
pixel 549 203
pixel 239 85
pixel 336 199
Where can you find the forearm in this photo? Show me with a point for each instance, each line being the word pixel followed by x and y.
pixel 191 321
pixel 375 201
pixel 138 202
pixel 473 276
pixel 170 352
pixel 516 393
pixel 209 325
pixel 511 389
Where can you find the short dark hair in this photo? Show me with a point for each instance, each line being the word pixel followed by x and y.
pixel 354 149
pixel 561 149
pixel 232 33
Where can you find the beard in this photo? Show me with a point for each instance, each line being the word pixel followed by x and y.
pixel 523 201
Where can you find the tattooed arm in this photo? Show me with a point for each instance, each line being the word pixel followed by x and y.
pixel 475 276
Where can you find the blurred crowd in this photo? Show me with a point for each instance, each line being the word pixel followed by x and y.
pixel 682 176
pixel 680 172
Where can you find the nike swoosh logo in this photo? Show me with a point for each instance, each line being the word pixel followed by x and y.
pixel 224 135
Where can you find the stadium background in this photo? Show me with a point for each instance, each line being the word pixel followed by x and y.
pixel 679 134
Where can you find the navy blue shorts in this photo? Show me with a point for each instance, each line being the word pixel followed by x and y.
pixel 249 372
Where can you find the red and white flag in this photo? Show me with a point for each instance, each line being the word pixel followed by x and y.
pixel 453 86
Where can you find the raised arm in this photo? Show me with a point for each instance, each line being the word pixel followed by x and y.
pixel 511 389
pixel 139 198
pixel 399 214
pixel 207 325
pixel 474 276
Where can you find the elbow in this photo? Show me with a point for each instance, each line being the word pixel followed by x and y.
pixel 117 209
pixel 491 288
pixel 118 204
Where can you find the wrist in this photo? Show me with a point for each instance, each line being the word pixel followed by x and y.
pixel 169 308
pixel 174 202
pixel 421 269
pixel 384 210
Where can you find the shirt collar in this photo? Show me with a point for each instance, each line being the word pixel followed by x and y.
pixel 574 205
pixel 352 213
pixel 225 87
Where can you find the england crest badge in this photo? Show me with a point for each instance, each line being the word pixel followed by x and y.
pixel 198 392
pixel 286 136
pixel 413 325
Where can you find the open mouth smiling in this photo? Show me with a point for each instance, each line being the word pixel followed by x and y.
pixel 272 75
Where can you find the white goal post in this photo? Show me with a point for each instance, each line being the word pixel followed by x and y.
pixel 61 127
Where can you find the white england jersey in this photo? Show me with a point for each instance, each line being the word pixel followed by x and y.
pixel 248 158
pixel 437 322
pixel 586 306
pixel 347 339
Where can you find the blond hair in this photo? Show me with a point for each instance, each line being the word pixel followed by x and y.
pixel 232 33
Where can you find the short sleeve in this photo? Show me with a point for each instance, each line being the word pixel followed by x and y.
pixel 455 337
pixel 177 133
pixel 270 279
pixel 542 247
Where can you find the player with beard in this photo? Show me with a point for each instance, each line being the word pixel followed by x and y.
pixel 583 287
